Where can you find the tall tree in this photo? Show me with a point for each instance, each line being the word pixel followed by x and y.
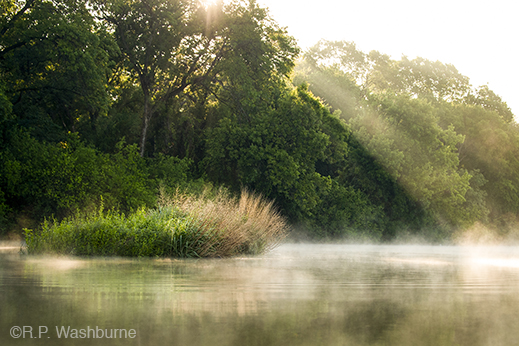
pixel 165 46
pixel 174 48
pixel 53 62
pixel 292 152
pixel 404 114
pixel 11 13
pixel 374 72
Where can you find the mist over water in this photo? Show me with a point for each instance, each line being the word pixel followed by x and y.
pixel 298 295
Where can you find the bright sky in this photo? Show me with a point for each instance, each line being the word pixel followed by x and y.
pixel 478 37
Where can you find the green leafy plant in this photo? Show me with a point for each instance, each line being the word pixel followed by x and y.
pixel 182 226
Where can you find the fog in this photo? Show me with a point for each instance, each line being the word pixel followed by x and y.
pixel 298 294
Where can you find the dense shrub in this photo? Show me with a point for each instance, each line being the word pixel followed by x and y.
pixel 183 226
pixel 294 153
pixel 40 179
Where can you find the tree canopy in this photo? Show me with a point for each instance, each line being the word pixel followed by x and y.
pixel 426 125
pixel 108 102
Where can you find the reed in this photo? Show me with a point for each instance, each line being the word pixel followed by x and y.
pixel 183 225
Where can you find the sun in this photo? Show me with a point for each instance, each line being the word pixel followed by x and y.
pixel 208 3
pixel 211 3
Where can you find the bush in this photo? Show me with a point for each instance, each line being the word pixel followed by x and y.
pixel 182 226
pixel 42 179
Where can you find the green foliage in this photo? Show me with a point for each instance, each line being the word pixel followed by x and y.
pixel 54 64
pixel 122 121
pixel 170 173
pixel 178 52
pixel 346 68
pixel 447 146
pixel 487 99
pixel 342 93
pixel 399 211
pixel 4 213
pixel 421 155
pixel 278 151
pixel 490 148
pixel 46 179
pixel 5 105
pixel 141 234
pixel 184 226
pixel 163 43
pixel 113 101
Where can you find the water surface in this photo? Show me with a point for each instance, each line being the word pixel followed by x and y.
pixel 295 295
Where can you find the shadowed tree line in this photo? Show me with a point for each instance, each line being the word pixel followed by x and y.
pixel 108 101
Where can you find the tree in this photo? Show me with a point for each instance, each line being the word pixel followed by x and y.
pixel 165 46
pixel 375 72
pixel 177 49
pixel 426 79
pixel 487 99
pixel 53 60
pixel 491 147
pixel 440 139
pixel 293 153
pixel 405 137
pixel 11 13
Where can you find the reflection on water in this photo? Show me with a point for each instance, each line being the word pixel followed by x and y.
pixel 296 295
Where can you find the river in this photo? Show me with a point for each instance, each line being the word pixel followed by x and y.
pixel 296 295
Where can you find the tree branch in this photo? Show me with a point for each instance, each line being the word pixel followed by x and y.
pixel 10 48
pixel 20 13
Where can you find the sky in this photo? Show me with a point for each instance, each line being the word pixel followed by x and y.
pixel 480 38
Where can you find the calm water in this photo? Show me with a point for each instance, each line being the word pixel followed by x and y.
pixel 296 295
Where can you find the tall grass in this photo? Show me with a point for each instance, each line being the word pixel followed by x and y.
pixel 183 225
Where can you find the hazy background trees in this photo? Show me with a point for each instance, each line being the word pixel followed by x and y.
pixel 447 143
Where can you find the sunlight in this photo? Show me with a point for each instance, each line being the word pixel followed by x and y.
pixel 498 262
pixel 420 261
pixel 9 248
pixel 209 3
pixel 59 263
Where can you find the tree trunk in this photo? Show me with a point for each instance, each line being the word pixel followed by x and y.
pixel 147 117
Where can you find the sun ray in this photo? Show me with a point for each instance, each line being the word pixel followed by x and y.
pixel 210 3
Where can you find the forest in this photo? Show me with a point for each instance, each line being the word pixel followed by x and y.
pixel 109 102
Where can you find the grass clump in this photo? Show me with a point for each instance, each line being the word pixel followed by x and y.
pixel 182 225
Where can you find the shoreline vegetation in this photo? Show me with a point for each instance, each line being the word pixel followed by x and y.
pixel 105 103
pixel 182 226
